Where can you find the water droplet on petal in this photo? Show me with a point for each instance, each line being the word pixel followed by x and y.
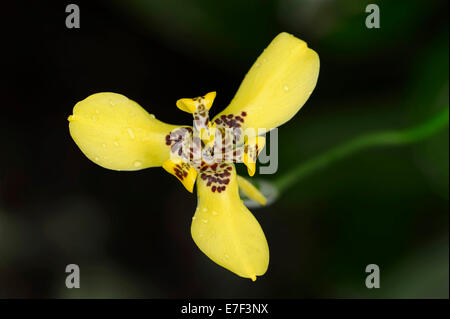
pixel 152 116
pixel 215 213
pixel 97 111
pixel 226 256
pixel 193 218
pixel 205 221
pixel 137 164
pixel 205 209
pixel 116 143
pixel 112 103
pixel 131 133
pixel 96 159
pixel 286 88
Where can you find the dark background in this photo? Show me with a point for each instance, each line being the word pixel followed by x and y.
pixel 130 231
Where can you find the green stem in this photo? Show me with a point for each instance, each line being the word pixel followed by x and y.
pixel 400 137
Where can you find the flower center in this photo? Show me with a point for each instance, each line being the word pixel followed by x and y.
pixel 206 143
pixel 210 147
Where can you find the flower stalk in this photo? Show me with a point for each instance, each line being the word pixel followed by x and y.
pixel 388 138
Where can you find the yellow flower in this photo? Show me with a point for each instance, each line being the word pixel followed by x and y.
pixel 116 133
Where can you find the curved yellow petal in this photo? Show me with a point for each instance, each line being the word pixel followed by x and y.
pixel 251 191
pixel 116 133
pixel 185 173
pixel 277 85
pixel 253 146
pixel 187 105
pixel 224 229
pixel 209 99
pixel 190 105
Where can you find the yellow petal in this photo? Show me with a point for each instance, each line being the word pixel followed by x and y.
pixel 190 105
pixel 224 229
pixel 253 146
pixel 116 133
pixel 185 173
pixel 187 105
pixel 277 85
pixel 251 191
pixel 209 99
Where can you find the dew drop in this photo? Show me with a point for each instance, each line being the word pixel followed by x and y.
pixel 97 111
pixel 205 209
pixel 258 64
pixel 116 143
pixel 215 213
pixel 205 221
pixel 112 103
pixel 226 256
pixel 286 88
pixel 96 159
pixel 131 133
pixel 137 164
pixel 193 218
pixel 152 116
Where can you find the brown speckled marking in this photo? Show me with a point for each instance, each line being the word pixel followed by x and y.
pixel 182 170
pixel 252 152
pixel 217 176
pixel 201 116
pixel 211 161
pixel 178 140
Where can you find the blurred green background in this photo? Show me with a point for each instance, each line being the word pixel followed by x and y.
pixel 130 231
